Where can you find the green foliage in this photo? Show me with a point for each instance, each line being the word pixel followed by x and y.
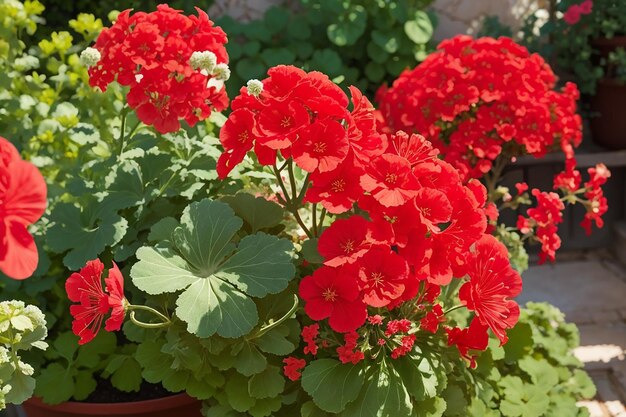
pixel 574 47
pixel 362 43
pixel 535 374
pixel 217 275
pixel 22 327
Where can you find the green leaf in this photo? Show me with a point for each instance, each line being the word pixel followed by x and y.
pixel 583 383
pixel 331 384
pixel 217 288
pixel 310 253
pixel 275 341
pixel 522 400
pixel 249 360
pixel 349 27
pixel 420 28
pixel 127 377
pixel 519 344
pixel 21 323
pixel 22 388
pixel 383 394
pixel 432 407
pixel 456 403
pixel 386 40
pixel 276 18
pixel 257 212
pixel 327 61
pixel 249 68
pixel 418 376
pixel 55 384
pixel 237 393
pixel 541 372
pixel 277 56
pixel 84 233
pixel 84 385
pixel 267 384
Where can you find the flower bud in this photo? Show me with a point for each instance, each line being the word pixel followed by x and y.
pixel 221 72
pixel 205 60
pixel 255 87
pixel 90 57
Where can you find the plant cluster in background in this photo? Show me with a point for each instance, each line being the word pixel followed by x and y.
pixel 572 41
pixel 485 102
pixel 360 43
pixel 22 328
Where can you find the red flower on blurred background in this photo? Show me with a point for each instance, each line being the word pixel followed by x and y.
pixel 493 282
pixel 85 288
pixel 22 203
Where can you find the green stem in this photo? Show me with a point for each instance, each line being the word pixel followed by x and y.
pixel 133 310
pixel 279 179
pixel 453 308
pixel 314 222
pixel 278 322
pixel 122 137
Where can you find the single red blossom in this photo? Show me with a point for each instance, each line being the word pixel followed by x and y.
pixel 433 318
pixel 309 335
pixel 22 203
pixel 434 208
pixel 474 337
pixel 375 320
pixel 237 137
pixel 390 180
pixel 345 241
pixel 333 293
pixel 336 190
pixel 414 148
pixel 292 367
pixel 85 288
pixel 493 282
pixel 281 124
pixel 382 275
pixel 405 347
pixel 322 147
pixel 569 180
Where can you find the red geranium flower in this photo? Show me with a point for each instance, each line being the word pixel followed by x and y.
pixel 85 288
pixel 382 276
pixel 344 241
pixel 237 137
pixel 322 147
pixel 292 367
pixel 474 337
pixel 493 282
pixel 333 293
pixel 336 190
pixel 22 202
pixel 390 180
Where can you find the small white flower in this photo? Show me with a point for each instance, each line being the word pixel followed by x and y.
pixel 221 72
pixel 255 87
pixel 205 60
pixel 138 78
pixel 90 57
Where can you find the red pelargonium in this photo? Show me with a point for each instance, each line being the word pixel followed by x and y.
pixel 22 203
pixel 475 96
pixel 333 293
pixel 492 285
pixel 94 303
pixel 473 338
pixel 175 65
pixel 304 116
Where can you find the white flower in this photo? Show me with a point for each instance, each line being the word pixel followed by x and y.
pixel 205 60
pixel 221 72
pixel 90 57
pixel 255 87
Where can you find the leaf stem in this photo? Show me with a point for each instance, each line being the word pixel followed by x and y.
pixel 133 310
pixel 278 322
pixel 122 137
pixel 453 308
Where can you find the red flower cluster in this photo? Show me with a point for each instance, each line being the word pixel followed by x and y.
pixel 175 65
pixel 305 116
pixel 22 202
pixel 543 221
pixel 474 97
pixel 85 288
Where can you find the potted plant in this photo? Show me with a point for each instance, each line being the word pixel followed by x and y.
pixel 590 47
pixel 483 103
pixel 353 259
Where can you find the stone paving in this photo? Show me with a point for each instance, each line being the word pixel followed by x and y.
pixel 590 288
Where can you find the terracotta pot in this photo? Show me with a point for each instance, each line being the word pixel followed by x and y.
pixel 608 123
pixel 180 405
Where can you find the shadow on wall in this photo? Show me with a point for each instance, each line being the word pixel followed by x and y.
pixel 465 16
